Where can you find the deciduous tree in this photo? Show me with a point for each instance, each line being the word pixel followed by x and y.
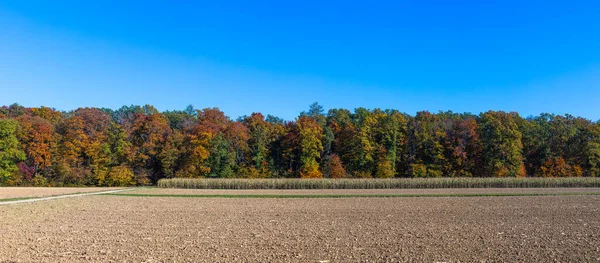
pixel 10 154
pixel 502 147
pixel 310 147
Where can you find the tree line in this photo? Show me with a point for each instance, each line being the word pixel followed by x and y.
pixel 138 145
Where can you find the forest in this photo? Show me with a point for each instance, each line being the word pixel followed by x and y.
pixel 138 145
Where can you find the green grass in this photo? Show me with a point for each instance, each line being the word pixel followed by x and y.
pixel 396 183
pixel 15 199
pixel 348 195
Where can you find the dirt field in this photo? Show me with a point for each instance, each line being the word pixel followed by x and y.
pixel 429 229
pixel 21 192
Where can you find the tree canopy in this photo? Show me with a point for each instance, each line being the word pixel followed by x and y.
pixel 138 145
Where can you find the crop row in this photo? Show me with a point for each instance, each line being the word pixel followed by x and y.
pixel 397 183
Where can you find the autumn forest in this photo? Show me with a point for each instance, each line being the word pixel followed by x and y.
pixel 138 145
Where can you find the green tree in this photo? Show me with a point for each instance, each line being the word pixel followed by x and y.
pixel 391 137
pixel 426 153
pixel 502 146
pixel 221 160
pixel 317 113
pixel 258 139
pixel 592 150
pixel 10 154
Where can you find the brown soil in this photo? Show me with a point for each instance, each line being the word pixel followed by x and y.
pixel 364 191
pixel 159 229
pixel 21 192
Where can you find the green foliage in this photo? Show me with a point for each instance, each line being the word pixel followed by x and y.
pixel 427 137
pixel 10 154
pixel 39 181
pixel 221 160
pixel 592 150
pixel 259 139
pixel 502 146
pixel 316 113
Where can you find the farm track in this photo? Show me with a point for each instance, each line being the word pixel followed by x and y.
pixel 20 200
pixel 102 228
pixel 29 192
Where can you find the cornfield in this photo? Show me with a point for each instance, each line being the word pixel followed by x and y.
pixel 398 183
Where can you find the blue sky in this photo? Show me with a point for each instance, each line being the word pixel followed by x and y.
pixel 277 57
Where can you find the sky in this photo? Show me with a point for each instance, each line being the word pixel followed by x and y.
pixel 278 57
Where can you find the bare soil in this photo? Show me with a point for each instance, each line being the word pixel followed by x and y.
pixel 429 229
pixel 21 192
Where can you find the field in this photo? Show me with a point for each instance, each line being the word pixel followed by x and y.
pixel 430 225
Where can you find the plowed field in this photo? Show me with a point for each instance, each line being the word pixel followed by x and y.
pixel 192 229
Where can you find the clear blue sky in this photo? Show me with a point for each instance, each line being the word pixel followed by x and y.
pixel 277 57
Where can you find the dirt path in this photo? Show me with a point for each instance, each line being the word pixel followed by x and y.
pixel 31 200
pixel 26 192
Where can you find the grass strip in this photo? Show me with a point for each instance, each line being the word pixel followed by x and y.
pixel 17 199
pixel 348 195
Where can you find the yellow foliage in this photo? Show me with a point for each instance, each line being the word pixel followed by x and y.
pixel 384 169
pixel 117 176
pixel 418 170
pixel 363 174
pixel 310 170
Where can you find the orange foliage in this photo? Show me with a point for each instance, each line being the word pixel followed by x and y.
pixel 212 120
pixel 35 136
pixel 557 167
pixel 336 169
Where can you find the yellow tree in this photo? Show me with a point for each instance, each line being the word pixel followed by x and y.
pixel 67 161
pixel 311 135
pixel 46 113
pixel 259 140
